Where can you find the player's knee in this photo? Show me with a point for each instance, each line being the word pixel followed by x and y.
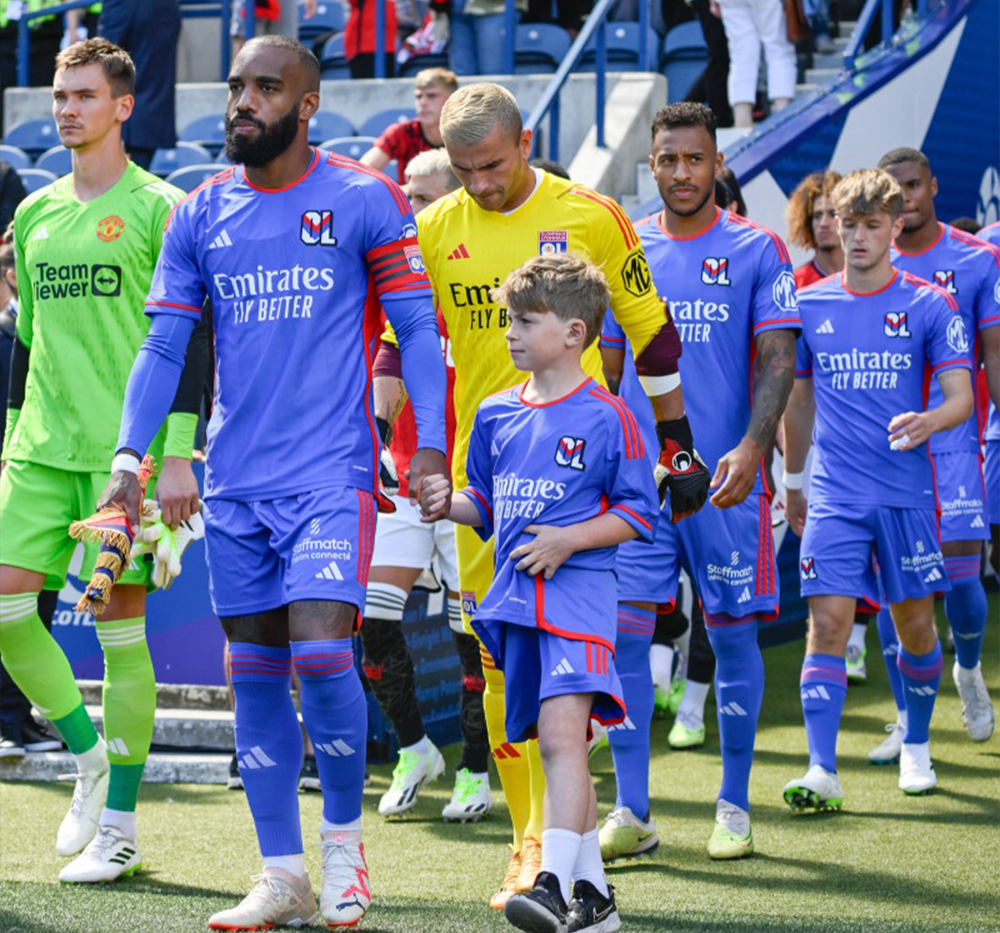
pixel 734 640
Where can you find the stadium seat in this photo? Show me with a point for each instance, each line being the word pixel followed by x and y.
pixel 379 122
pixel 622 48
pixel 333 61
pixel 15 158
pixel 418 63
pixel 58 160
pixel 354 147
pixel 187 179
pixel 35 178
pixel 540 48
pixel 683 59
pixel 33 136
pixel 335 72
pixel 329 18
pixel 166 161
pixel 208 131
pixel 325 125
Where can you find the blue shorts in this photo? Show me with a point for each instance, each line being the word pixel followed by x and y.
pixel 961 493
pixel 263 555
pixel 841 544
pixel 538 665
pixel 729 554
pixel 642 567
pixel 992 471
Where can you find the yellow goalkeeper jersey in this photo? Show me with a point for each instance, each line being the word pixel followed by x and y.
pixel 469 251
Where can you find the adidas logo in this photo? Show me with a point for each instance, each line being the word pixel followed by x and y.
pixel 626 725
pixel 122 855
pixel 221 240
pixel 825 328
pixel 967 636
pixel 745 595
pixel 256 758
pixel 563 667
pixel 118 746
pixel 41 233
pixel 330 572
pixel 732 709
pixel 922 691
pixel 816 693
pixel 460 252
pixel 934 576
pixel 977 522
pixel 338 748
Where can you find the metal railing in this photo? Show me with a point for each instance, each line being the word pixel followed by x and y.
pixel 885 11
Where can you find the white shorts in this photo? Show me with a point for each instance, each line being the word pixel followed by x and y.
pixel 402 540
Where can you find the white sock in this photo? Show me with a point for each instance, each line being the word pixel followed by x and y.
pixel 560 850
pixel 353 827
pixel 589 864
pixel 661 665
pixel 293 864
pixel 455 614
pixel 858 633
pixel 423 747
pixel 122 820
pixel 94 760
pixel 692 708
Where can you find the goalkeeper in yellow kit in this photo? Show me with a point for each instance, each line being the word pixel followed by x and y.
pixel 505 213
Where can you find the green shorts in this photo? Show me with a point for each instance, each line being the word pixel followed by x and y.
pixel 37 505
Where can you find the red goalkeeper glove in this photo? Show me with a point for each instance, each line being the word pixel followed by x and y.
pixel 680 470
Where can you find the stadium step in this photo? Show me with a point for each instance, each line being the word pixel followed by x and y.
pixel 168 696
pixel 161 768
pixel 186 729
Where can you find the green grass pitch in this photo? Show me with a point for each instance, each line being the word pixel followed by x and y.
pixel 887 862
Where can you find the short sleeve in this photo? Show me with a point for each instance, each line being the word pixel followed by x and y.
pixel 391 248
pixel 611 334
pixel 948 343
pixel 803 359
pixel 479 470
pixel 629 484
pixel 178 286
pixel 392 140
pixel 988 295
pixel 774 303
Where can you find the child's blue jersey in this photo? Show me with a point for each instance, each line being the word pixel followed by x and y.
pixel 631 390
pixel 870 357
pixel 737 282
pixel 294 277
pixel 968 269
pixel 555 464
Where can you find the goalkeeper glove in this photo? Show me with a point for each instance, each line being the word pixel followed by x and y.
pixel 388 478
pixel 680 470
pixel 166 544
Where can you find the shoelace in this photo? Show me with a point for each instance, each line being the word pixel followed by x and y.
pixel 513 869
pixel 80 791
pixel 407 762
pixel 351 861
pixel 265 886
pixel 105 840
pixel 466 786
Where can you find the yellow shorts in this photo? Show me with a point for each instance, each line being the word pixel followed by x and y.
pixel 475 571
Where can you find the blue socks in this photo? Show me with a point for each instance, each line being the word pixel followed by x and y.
pixel 823 687
pixel 335 714
pixel 965 606
pixel 739 689
pixel 921 674
pixel 268 744
pixel 630 739
pixel 890 652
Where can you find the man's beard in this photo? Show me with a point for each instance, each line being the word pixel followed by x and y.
pixel 691 211
pixel 274 139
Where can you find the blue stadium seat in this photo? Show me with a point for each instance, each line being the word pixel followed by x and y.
pixel 35 178
pixel 687 37
pixel 354 147
pixel 622 48
pixel 379 122
pixel 325 125
pixel 208 131
pixel 540 48
pixel 15 158
pixel 187 179
pixel 340 71
pixel 419 62
pixel 33 136
pixel 58 160
pixel 333 51
pixel 683 59
pixel 329 18
pixel 166 161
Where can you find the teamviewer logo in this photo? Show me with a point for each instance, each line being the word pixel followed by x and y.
pixel 106 281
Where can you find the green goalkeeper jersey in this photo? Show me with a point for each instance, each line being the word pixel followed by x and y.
pixel 83 271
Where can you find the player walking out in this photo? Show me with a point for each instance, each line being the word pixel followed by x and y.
pixel 295 248
pixel 867 335
pixel 85 250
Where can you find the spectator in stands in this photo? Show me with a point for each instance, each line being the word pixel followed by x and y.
pixel 12 193
pixel 569 14
pixel 271 17
pixel 749 25
pixel 359 39
pixel 818 13
pixel 476 34
pixel 712 85
pixel 812 225
pixel 402 141
pixel 148 32
pixel 46 34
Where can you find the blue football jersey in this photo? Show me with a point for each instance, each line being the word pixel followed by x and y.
pixel 294 277
pixel 631 390
pixel 968 269
pixel 869 357
pixel 724 286
pixel 556 464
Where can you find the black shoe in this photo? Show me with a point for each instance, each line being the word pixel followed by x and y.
pixel 235 781
pixel 592 912
pixel 38 739
pixel 11 741
pixel 540 910
pixel 309 775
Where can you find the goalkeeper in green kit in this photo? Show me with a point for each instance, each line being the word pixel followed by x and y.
pixel 86 247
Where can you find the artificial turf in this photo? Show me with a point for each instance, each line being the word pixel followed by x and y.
pixel 887 862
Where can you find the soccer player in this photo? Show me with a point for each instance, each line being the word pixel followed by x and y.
pixel 991 457
pixel 812 225
pixel 867 336
pixel 471 240
pixel 85 250
pixel 558 475
pixel 405 548
pixel 295 248
pixel 969 270
pixel 733 297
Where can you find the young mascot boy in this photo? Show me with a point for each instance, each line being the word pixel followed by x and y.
pixel 558 474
